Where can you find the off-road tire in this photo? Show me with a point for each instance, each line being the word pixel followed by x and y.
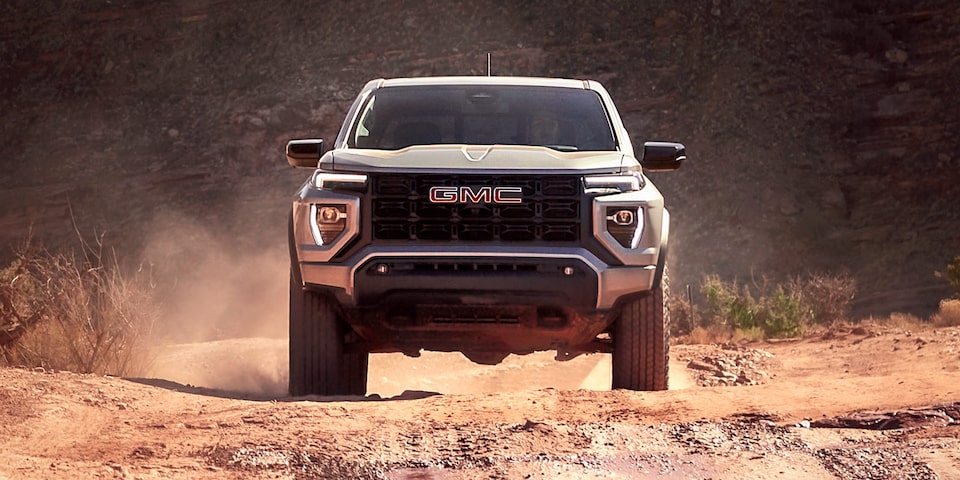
pixel 641 341
pixel 319 362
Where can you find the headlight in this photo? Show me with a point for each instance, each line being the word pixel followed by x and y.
pixel 625 224
pixel 329 221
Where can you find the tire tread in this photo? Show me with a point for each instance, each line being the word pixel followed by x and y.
pixel 318 363
pixel 641 342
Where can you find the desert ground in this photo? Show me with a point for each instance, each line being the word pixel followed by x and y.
pixel 861 402
pixel 822 138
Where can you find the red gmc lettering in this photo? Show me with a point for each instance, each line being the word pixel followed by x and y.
pixel 443 195
pixel 507 195
pixel 476 195
pixel 482 195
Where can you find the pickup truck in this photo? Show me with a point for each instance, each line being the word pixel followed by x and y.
pixel 483 215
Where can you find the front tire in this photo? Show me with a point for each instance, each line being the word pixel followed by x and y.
pixel 641 343
pixel 319 361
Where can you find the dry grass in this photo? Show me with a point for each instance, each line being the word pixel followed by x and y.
pixel 73 312
pixel 750 335
pixel 719 334
pixel 707 335
pixel 902 321
pixel 948 315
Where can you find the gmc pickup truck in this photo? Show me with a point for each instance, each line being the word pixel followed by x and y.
pixel 484 215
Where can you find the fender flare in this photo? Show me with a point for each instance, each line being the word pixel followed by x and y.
pixel 664 244
pixel 291 243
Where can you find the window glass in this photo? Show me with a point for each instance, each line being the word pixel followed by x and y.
pixel 565 119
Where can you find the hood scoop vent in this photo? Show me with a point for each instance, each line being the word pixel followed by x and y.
pixel 476 154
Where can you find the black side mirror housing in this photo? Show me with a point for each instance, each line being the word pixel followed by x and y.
pixel 662 156
pixel 304 153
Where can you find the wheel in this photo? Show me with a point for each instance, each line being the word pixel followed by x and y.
pixel 319 364
pixel 641 342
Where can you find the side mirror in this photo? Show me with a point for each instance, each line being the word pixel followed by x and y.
pixel 304 153
pixel 662 156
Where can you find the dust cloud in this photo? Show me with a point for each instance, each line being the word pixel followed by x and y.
pixel 214 286
pixel 223 320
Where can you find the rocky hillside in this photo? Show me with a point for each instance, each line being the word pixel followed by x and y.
pixel 821 134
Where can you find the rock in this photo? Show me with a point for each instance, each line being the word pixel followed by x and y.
pixel 698 365
pixel 896 55
pixel 789 207
pixel 834 199
pixel 895 105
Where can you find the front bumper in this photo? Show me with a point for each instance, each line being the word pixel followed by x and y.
pixel 486 273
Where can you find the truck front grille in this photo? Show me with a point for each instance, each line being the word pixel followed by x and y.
pixel 549 210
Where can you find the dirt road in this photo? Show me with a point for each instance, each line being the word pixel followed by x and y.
pixel 772 410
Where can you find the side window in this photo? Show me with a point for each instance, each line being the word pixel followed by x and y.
pixel 362 137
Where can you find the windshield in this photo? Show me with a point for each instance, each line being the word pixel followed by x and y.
pixel 564 119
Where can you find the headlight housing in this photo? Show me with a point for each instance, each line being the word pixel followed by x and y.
pixel 628 216
pixel 625 224
pixel 329 221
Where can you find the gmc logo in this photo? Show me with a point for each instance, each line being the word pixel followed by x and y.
pixel 476 194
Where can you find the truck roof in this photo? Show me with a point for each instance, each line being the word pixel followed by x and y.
pixel 484 80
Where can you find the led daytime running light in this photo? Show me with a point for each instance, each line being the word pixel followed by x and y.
pixel 622 183
pixel 330 181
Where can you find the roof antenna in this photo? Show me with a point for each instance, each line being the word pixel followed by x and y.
pixel 488 64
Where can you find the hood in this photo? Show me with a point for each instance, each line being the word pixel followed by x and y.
pixel 495 159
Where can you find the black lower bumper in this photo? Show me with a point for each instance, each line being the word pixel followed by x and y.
pixel 469 281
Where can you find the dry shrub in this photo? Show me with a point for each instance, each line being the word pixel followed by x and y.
pixel 776 310
pixel 827 296
pixel 683 315
pixel 952 275
pixel 765 309
pixel 948 315
pixel 904 321
pixel 78 313
pixel 728 303
pixel 707 335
